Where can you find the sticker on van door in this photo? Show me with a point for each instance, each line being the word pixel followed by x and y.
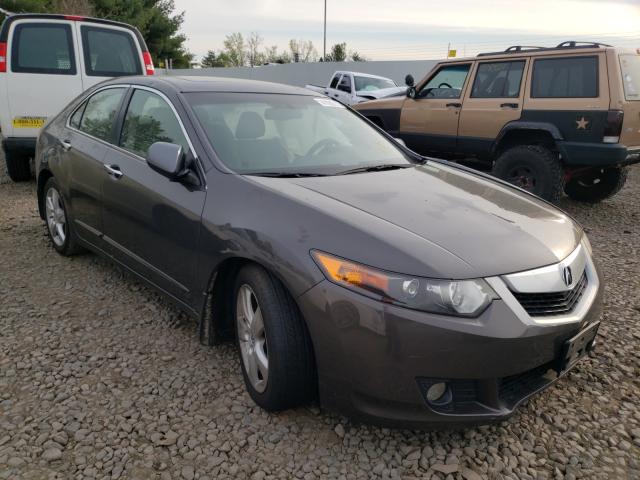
pixel 29 122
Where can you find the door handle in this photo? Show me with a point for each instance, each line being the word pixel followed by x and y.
pixel 66 145
pixel 454 105
pixel 509 105
pixel 113 170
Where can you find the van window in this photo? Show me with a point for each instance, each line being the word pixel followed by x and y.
pixel 109 53
pixel 100 112
pixel 446 83
pixel 498 80
pixel 571 77
pixel 45 48
pixel 630 65
pixel 150 119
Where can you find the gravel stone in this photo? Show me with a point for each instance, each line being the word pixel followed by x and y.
pixel 101 377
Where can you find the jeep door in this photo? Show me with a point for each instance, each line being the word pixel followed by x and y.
pixel 429 122
pixel 494 99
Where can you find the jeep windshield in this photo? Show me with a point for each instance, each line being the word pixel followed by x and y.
pixel 291 135
pixel 630 66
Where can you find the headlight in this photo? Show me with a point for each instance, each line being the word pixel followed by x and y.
pixel 467 298
pixel 587 244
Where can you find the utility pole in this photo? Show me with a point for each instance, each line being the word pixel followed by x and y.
pixel 324 46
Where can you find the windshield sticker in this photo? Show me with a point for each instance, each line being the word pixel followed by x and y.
pixel 327 102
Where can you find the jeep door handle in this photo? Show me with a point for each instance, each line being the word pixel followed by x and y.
pixel 113 170
pixel 66 145
pixel 454 105
pixel 509 105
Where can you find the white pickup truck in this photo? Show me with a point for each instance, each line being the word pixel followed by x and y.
pixel 353 87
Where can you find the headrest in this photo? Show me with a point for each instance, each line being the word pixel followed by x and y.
pixel 250 126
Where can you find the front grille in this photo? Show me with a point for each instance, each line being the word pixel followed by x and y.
pixel 554 303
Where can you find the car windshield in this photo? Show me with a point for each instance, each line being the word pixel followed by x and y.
pixel 367 84
pixel 290 134
pixel 630 65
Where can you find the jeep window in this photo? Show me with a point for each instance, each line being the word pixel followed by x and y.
pixel 335 80
pixel 446 83
pixel 45 48
pixel 109 53
pixel 100 113
pixel 630 65
pixel 498 80
pixel 570 77
pixel 368 84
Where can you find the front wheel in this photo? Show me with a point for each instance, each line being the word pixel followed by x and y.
pixel 274 346
pixel 597 184
pixel 533 168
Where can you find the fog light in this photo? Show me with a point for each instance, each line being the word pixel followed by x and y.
pixel 437 392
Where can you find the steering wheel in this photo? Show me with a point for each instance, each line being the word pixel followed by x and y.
pixel 317 147
pixel 444 84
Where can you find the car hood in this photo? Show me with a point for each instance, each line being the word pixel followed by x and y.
pixel 491 228
pixel 382 92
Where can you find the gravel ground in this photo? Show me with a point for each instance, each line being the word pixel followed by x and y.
pixel 100 377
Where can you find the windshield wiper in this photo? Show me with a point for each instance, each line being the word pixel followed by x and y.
pixel 286 174
pixel 375 168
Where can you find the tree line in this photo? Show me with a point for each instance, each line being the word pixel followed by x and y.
pixel 239 51
pixel 156 19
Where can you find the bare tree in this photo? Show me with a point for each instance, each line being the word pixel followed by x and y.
pixel 234 48
pixel 303 50
pixel 253 49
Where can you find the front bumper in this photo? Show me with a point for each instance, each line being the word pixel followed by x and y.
pixel 375 361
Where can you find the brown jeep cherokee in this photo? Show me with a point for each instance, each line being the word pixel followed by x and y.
pixel 546 119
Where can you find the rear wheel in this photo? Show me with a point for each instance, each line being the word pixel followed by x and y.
pixel 60 230
pixel 532 167
pixel 596 185
pixel 18 166
pixel 273 343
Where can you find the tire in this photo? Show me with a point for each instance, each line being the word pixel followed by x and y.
pixel 596 185
pixel 534 168
pixel 290 379
pixel 18 166
pixel 59 226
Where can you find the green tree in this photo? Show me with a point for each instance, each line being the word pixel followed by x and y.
pixel 235 49
pixel 78 7
pixel 271 55
pixel 211 60
pixel 356 57
pixel 338 53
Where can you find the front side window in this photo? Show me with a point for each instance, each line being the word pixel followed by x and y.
pixel 446 83
pixel 570 77
pixel 345 84
pixel 368 84
pixel 99 113
pixel 630 65
pixel 290 134
pixel 45 48
pixel 498 80
pixel 109 53
pixel 150 119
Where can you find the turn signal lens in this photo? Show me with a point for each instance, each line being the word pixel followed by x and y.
pixel 613 127
pixel 466 298
pixel 148 63
pixel 3 57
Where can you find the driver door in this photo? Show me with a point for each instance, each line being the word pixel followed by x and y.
pixel 429 121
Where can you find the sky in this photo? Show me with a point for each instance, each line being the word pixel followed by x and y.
pixel 412 29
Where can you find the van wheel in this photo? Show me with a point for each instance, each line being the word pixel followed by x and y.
pixel 274 346
pixel 18 166
pixel 533 168
pixel 597 184
pixel 59 226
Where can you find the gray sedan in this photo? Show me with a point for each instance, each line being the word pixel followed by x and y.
pixel 399 289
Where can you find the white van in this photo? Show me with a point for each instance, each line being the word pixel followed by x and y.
pixel 48 60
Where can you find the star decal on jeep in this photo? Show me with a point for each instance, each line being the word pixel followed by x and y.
pixel 583 123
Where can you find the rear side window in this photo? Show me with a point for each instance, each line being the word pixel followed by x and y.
pixel 334 81
pixel 45 48
pixel 630 65
pixel 571 77
pixel 99 113
pixel 109 53
pixel 150 119
pixel 498 80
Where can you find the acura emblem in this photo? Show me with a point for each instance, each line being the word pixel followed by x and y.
pixel 567 276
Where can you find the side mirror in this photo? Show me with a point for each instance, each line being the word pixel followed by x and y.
pixel 411 92
pixel 409 81
pixel 167 159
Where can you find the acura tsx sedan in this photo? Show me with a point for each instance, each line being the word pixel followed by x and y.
pixel 398 289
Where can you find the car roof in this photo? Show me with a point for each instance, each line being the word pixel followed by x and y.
pixel 525 51
pixel 360 74
pixel 192 84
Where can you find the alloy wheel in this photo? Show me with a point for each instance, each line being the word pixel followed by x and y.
pixel 252 338
pixel 56 218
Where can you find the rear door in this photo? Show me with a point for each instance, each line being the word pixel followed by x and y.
pixel 333 91
pixel 494 99
pixel 107 52
pixel 43 73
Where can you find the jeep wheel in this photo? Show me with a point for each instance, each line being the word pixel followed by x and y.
pixel 18 166
pixel 533 168
pixel 596 185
